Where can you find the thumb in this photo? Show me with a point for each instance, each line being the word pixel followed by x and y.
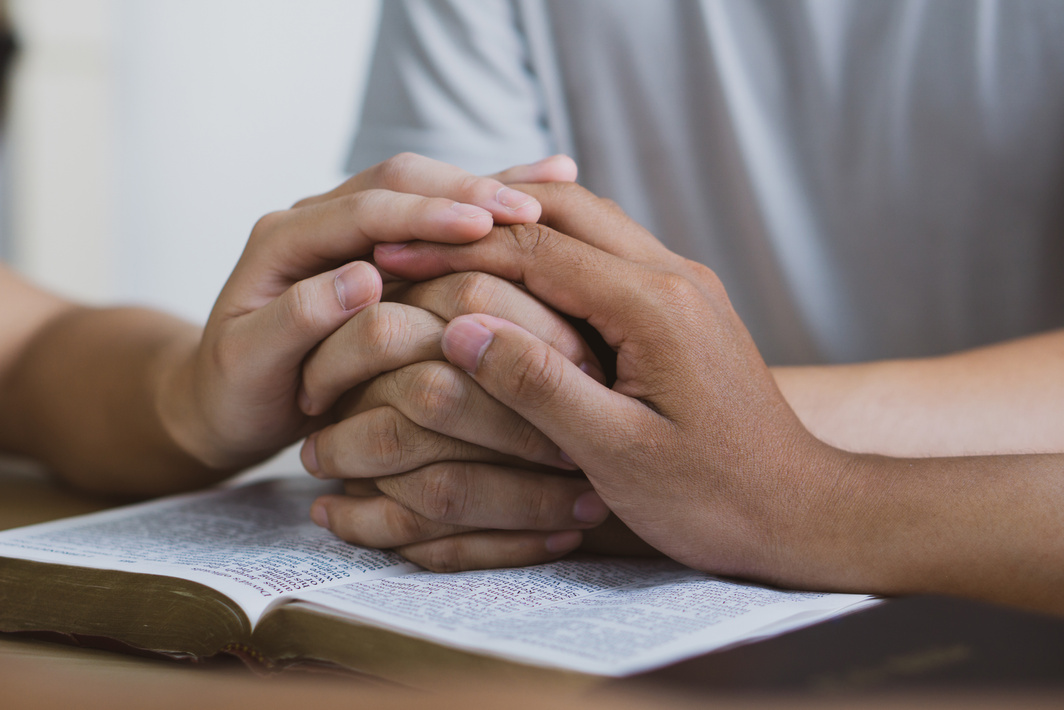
pixel 555 395
pixel 275 339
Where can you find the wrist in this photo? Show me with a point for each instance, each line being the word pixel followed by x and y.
pixel 859 523
pixel 818 534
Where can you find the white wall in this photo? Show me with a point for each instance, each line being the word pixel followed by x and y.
pixel 147 136
pixel 60 146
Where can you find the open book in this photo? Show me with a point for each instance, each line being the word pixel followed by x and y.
pixel 243 570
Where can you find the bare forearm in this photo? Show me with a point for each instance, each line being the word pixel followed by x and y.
pixel 1008 398
pixel 987 527
pixel 959 483
pixel 82 398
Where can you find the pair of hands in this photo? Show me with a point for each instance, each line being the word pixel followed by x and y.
pixel 469 419
pixel 301 324
pixel 695 449
pixel 234 397
pixel 448 408
pixel 462 389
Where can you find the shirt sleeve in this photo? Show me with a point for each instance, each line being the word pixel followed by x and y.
pixel 452 80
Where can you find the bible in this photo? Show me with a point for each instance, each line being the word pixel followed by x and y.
pixel 243 571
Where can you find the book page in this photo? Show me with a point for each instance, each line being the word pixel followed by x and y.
pixel 252 543
pixel 595 615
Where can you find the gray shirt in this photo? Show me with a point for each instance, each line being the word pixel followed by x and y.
pixel 870 179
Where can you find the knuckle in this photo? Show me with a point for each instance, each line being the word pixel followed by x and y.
pixel 678 293
pixel 309 200
pixel 436 392
pixel 444 555
pixel 475 291
pixel 395 172
pixel 356 204
pixel 607 204
pixel 300 308
pixel 404 526
pixel 476 187
pixel 575 196
pixel 565 191
pixel 434 296
pixel 530 238
pixel 528 442
pixel 386 439
pixel 384 329
pixel 535 376
pixel 267 225
pixel 707 278
pixel 444 495
pixel 539 507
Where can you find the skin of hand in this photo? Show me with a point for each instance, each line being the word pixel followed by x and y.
pixel 294 286
pixel 151 404
pixel 425 452
pixel 696 449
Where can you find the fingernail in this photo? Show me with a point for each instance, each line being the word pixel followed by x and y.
pixel 308 455
pixel 390 247
pixel 512 199
pixel 565 541
pixel 354 288
pixel 470 211
pixel 319 515
pixel 567 460
pixel 464 342
pixel 589 508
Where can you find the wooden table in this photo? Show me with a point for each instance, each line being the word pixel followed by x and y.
pixel 38 674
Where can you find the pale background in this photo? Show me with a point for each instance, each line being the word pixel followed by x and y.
pixel 145 137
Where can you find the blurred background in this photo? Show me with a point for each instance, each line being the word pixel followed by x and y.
pixel 144 138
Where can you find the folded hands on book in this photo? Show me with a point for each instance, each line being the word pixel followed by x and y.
pixel 491 399
pixel 696 445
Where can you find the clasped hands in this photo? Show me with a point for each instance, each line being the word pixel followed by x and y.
pixel 416 326
pixel 473 426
